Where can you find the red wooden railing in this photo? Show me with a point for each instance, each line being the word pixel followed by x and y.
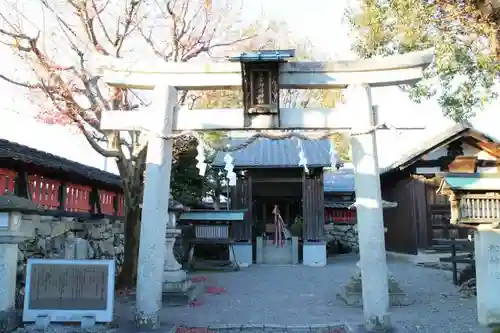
pixel 7 178
pixel 336 215
pixel 45 192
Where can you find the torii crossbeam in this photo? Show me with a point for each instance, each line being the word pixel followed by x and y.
pixel 164 118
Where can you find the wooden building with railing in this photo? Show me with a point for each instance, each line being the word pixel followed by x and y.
pixel 422 214
pixel 63 186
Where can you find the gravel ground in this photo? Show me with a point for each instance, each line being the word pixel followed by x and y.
pixel 299 295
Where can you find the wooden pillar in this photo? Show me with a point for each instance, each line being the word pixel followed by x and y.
pixel 242 199
pixel 22 185
pixel 313 205
pixel 287 213
pixel 454 208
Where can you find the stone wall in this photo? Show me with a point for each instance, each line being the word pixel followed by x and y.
pixel 345 234
pixel 60 238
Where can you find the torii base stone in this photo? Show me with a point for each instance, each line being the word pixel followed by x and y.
pixel 352 292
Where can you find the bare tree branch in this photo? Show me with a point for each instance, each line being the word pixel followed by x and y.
pixel 21 84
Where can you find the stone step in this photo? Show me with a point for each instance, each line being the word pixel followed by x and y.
pixel 181 297
pixel 212 329
pixel 331 328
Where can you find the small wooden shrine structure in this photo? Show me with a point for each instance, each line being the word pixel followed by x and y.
pixel 213 228
pixel 474 197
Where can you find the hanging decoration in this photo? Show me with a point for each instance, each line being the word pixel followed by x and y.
pixel 279 228
pixel 200 157
pixel 334 156
pixel 229 167
pixel 302 156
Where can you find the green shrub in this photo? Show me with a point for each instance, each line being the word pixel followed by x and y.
pixel 296 228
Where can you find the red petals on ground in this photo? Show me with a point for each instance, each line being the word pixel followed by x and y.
pixel 215 290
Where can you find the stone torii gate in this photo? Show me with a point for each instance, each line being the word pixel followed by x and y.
pixel 260 75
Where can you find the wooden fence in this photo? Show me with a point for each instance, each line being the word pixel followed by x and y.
pixel 75 198
pixel 461 252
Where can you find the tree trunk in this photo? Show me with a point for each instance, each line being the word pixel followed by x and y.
pixel 128 274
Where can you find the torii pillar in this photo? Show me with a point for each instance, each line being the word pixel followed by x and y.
pixel 155 209
pixel 369 211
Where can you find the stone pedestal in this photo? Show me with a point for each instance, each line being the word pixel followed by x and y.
pixel 314 254
pixel 177 288
pixel 242 254
pixel 76 248
pixel 270 253
pixel 10 237
pixel 487 254
pixel 352 292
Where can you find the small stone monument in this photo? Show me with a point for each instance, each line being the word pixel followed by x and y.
pixel 177 287
pixel 11 209
pixel 61 290
pixel 487 253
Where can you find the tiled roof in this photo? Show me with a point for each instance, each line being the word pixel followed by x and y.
pixel 448 135
pixel 10 203
pixel 265 153
pixel 14 151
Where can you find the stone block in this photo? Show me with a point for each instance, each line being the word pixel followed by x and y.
pixel 259 243
pixel 169 286
pixel 328 328
pixel 59 228
pixel 227 328
pixel 10 320
pixel 181 293
pixel 253 328
pixel 487 250
pixel 269 253
pixel 352 293
pixel 314 254
pixel 43 229
pixel 268 328
pixel 242 254
pixel 298 329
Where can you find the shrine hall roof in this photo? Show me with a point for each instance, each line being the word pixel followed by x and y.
pixel 445 137
pixel 265 153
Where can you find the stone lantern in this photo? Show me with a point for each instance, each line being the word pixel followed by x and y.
pixel 11 210
pixel 176 286
pixel 260 71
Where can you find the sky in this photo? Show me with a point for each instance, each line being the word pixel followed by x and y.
pixel 320 21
